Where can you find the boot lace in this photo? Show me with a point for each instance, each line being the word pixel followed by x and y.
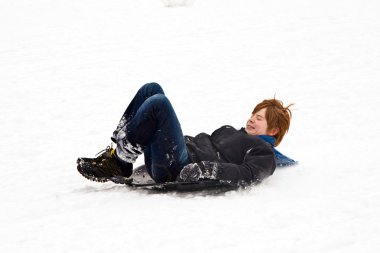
pixel 108 149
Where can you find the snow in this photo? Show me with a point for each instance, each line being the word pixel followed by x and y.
pixel 69 68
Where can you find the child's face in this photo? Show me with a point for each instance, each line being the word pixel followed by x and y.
pixel 257 123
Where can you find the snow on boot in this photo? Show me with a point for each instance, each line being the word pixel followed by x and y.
pixel 103 167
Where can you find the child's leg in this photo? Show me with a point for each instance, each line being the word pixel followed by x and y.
pixel 156 128
pixel 145 92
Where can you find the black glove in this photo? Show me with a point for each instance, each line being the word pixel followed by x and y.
pixel 195 171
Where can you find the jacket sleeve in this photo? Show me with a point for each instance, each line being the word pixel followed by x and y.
pixel 259 163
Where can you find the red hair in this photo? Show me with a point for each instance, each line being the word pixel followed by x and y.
pixel 277 116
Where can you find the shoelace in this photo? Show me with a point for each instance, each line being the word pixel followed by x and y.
pixel 108 168
pixel 107 149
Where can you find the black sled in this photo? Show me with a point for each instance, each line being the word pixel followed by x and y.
pixel 140 179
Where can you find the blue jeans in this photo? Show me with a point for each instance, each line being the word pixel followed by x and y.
pixel 152 123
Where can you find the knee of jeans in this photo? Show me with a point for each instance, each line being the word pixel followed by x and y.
pixel 153 88
pixel 159 99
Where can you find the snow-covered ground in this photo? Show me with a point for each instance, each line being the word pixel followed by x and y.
pixel 69 68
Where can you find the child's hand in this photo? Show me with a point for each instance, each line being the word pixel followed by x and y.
pixel 195 171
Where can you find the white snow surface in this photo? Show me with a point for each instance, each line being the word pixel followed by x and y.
pixel 68 69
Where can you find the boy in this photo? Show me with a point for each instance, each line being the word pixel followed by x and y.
pixel 150 126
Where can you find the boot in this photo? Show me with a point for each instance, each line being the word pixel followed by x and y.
pixel 104 167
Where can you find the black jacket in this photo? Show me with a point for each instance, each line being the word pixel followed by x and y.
pixel 240 157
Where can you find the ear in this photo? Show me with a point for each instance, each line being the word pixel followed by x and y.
pixel 273 131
